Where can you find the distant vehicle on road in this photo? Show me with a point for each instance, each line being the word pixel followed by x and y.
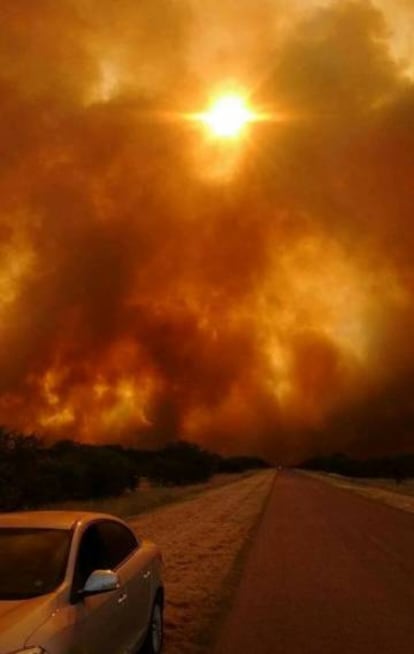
pixel 74 582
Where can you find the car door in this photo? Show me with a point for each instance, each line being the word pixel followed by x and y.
pixel 101 620
pixel 132 564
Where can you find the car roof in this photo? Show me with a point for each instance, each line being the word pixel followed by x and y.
pixel 49 519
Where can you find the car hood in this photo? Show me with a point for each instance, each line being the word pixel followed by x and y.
pixel 18 620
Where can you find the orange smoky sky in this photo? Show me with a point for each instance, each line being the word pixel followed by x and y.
pixel 251 296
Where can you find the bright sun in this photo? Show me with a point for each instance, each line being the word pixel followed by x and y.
pixel 227 116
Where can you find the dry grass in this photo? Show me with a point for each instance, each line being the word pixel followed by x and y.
pixel 201 540
pixel 389 492
pixel 146 498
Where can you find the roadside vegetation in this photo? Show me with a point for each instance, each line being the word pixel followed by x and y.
pixel 33 474
pixel 397 468
pixel 204 542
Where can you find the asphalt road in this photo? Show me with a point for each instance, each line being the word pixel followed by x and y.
pixel 329 572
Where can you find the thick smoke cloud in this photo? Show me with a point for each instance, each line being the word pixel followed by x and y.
pixel 252 297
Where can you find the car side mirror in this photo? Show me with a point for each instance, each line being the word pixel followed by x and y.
pixel 100 581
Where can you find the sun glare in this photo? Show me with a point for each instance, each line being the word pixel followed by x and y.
pixel 228 116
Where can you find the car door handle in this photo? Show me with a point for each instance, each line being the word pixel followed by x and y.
pixel 147 574
pixel 122 598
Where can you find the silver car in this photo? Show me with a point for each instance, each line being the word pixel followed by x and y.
pixel 77 583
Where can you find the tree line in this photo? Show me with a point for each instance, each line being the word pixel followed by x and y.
pixel 397 467
pixel 33 474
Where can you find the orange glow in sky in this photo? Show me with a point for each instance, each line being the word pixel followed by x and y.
pixel 228 116
pixel 206 221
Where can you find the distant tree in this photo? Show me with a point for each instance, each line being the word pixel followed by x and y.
pixel 238 464
pixel 33 475
pixel 397 467
pixel 182 463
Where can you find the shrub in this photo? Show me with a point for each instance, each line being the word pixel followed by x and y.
pixel 182 463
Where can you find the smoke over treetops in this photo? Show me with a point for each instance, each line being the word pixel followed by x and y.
pixel 154 282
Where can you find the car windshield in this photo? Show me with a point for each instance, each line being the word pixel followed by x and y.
pixel 32 561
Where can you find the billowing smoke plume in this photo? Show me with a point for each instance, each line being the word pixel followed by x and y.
pixel 156 285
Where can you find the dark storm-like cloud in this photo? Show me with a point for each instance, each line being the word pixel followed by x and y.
pixel 348 163
pixel 140 291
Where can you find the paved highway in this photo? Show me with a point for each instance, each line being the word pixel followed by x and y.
pixel 329 572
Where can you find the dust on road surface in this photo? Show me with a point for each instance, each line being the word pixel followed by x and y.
pixel 200 540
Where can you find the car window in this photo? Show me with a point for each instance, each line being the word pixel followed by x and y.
pixel 119 542
pixel 91 556
pixel 32 561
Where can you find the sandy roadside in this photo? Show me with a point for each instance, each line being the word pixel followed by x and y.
pixel 201 540
pixel 370 489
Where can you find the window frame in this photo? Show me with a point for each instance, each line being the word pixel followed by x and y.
pixel 131 533
pixel 74 590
